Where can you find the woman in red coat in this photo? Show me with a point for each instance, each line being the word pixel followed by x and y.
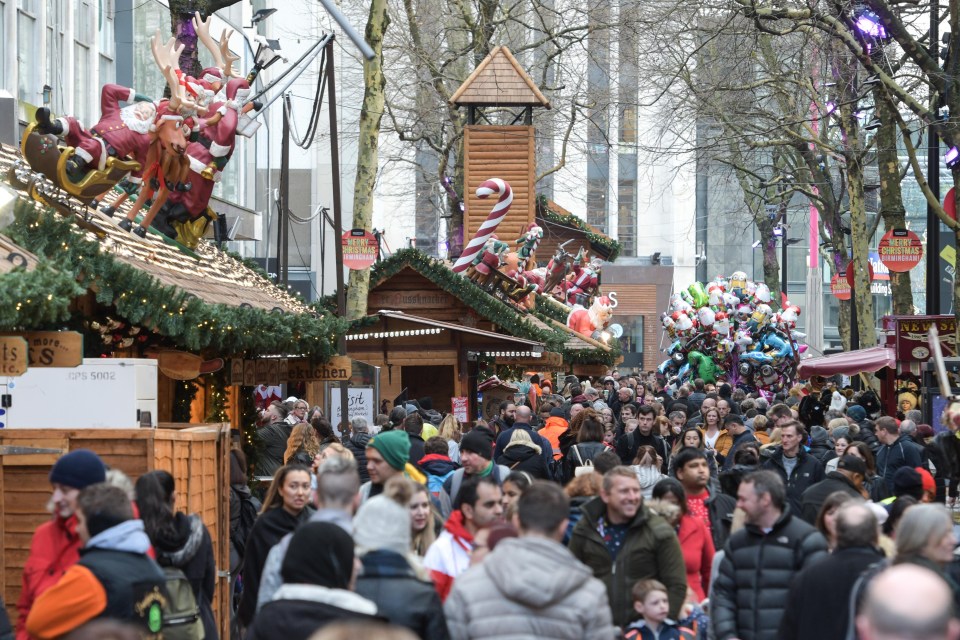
pixel 56 546
pixel 695 539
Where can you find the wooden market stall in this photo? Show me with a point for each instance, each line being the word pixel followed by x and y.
pixel 197 457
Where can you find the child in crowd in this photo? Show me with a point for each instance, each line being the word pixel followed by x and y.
pixel 651 602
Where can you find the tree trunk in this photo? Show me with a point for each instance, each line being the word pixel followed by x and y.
pixel 367 152
pixel 861 257
pixel 771 261
pixel 181 27
pixel 843 323
pixel 891 197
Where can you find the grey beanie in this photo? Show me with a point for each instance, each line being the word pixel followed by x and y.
pixel 382 523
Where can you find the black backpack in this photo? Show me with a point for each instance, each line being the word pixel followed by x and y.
pixel 249 510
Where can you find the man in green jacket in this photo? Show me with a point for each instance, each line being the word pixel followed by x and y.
pixel 622 542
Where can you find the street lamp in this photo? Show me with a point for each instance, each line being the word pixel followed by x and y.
pixel 260 16
pixel 267 53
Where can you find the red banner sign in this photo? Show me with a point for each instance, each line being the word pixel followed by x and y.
pixel 359 249
pixel 900 250
pixel 840 287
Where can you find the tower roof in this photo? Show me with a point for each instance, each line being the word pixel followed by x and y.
pixel 499 81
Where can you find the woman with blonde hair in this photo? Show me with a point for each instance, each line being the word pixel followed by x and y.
pixel 451 431
pixel 302 445
pixel 423 520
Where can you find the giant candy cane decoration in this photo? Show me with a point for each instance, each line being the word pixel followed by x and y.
pixel 494 185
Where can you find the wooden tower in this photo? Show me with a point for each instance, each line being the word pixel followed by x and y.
pixel 497 151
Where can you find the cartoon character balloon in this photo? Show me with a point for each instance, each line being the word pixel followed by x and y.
pixel 729 330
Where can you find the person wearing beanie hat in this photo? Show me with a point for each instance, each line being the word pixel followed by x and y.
pixel 476 456
pixel 115 578
pixel 382 536
pixel 388 455
pixel 56 544
pixel 907 481
pixel 318 572
pixel 929 485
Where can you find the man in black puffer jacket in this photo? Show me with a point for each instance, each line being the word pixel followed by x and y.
pixel 798 469
pixel 751 589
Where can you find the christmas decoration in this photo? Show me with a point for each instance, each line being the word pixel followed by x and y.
pixel 727 330
pixel 486 230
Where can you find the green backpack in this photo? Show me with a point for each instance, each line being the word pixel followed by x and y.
pixel 181 617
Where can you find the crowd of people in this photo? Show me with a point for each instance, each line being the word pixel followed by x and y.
pixel 606 508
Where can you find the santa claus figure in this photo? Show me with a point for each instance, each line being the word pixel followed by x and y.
pixel 592 321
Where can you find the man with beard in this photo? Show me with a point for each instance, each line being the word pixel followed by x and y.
pixel 506 416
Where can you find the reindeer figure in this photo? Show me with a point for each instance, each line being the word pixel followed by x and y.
pixel 202 90
pixel 163 166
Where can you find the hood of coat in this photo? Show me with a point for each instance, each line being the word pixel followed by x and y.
pixel 535 572
pixel 435 464
pixel 127 536
pixel 340 598
pixel 556 422
pixel 455 526
pixel 179 549
pixel 518 453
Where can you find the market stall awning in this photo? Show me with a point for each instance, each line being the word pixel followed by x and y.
pixel 376 333
pixel 849 363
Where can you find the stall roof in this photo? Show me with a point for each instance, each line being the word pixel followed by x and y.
pixel 849 363
pixel 400 315
pixel 518 322
pixel 208 273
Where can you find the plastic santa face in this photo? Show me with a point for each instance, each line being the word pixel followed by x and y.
pixel 763 292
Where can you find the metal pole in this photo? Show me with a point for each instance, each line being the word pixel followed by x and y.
pixel 933 179
pixel 283 216
pixel 783 253
pixel 338 228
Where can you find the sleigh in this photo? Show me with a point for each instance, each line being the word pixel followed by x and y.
pixel 44 156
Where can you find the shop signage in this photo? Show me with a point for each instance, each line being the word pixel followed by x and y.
pixel 839 287
pixel 912 342
pixel 359 249
pixel 302 370
pixel 900 250
pixel 460 408
pixel 53 348
pixel 409 300
pixel 13 356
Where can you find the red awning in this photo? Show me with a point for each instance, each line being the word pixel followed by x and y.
pixel 849 363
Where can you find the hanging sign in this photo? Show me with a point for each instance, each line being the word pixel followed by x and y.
pixel 460 408
pixel 839 287
pixel 302 370
pixel 900 250
pixel 359 249
pixel 54 348
pixel 236 371
pixel 13 356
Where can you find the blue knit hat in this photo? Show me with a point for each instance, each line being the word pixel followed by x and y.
pixel 78 469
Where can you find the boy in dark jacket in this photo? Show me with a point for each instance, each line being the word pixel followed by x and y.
pixel 650 600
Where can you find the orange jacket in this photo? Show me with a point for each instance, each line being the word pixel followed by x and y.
pixel 723 443
pixel 552 430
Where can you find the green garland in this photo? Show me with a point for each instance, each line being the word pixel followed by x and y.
pixel 172 312
pixel 598 241
pixel 550 307
pixel 36 299
pixel 470 294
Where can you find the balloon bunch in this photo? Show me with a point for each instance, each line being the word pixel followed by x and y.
pixel 727 330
